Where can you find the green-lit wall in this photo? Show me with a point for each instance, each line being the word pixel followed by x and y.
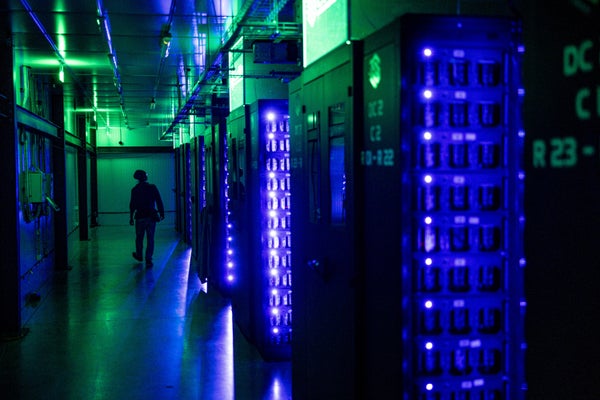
pixel 115 180
pixel 123 137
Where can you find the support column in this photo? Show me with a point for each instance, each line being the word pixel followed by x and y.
pixel 10 301
pixel 60 183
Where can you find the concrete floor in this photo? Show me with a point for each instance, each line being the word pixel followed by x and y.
pixel 111 329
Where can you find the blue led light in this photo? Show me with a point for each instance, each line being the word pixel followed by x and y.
pixel 275 193
pixel 448 98
pixel 229 277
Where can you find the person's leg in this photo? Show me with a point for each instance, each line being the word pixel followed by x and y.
pixel 140 229
pixel 150 229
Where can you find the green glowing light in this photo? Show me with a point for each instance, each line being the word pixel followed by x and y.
pixel 325 27
pixel 53 62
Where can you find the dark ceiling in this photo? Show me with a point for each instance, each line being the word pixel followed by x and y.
pixel 115 61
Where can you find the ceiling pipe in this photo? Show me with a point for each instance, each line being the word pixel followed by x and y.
pixel 42 29
pixel 104 24
pixel 165 34
pixel 201 85
pixel 61 60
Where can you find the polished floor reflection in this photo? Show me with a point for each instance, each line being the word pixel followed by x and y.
pixel 111 329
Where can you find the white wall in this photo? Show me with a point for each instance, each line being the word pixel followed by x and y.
pixel 115 180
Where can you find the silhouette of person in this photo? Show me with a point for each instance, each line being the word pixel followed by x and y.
pixel 146 207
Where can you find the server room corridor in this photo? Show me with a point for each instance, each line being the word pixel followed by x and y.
pixel 111 329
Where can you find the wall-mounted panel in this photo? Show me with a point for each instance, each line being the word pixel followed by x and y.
pixel 36 216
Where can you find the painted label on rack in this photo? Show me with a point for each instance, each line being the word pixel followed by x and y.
pixel 582 58
pixel 379 150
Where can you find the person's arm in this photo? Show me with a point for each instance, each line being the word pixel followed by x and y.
pixel 159 203
pixel 131 209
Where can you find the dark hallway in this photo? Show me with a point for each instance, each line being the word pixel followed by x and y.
pixel 111 329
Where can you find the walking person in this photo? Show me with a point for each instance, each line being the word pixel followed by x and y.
pixel 147 208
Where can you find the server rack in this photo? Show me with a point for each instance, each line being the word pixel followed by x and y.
pixel 183 223
pixel 198 190
pixel 187 194
pixel 562 199
pixel 324 102
pixel 434 277
pixel 179 207
pixel 214 215
pixel 238 251
pixel 461 189
pixel 260 235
